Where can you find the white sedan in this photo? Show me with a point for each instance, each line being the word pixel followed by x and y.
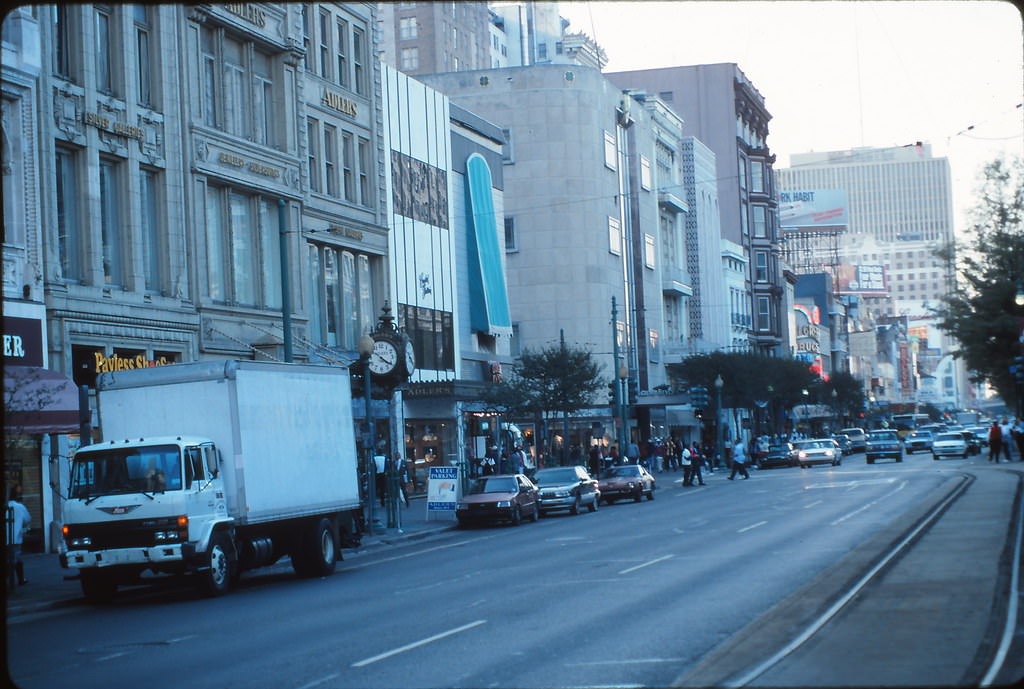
pixel 951 444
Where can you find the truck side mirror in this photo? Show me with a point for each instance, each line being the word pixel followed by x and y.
pixel 212 461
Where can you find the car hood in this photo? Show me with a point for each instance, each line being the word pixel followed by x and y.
pixel 557 486
pixel 619 480
pixel 478 498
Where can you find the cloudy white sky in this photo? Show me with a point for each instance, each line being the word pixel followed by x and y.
pixel 843 74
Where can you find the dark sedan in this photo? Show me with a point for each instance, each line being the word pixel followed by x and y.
pixel 506 497
pixel 779 455
pixel 566 488
pixel 919 441
pixel 626 481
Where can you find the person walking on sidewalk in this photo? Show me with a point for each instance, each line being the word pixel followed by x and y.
pixel 995 441
pixel 1006 429
pixel 739 460
pixel 18 521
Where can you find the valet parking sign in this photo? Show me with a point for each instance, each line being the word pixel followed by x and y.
pixel 442 491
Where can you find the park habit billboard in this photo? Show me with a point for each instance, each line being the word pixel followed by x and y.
pixel 814 209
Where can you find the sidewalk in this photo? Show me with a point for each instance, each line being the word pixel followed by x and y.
pixel 49 586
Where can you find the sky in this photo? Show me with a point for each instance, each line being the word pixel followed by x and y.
pixel 843 74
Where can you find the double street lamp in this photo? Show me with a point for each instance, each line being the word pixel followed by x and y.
pixel 719 383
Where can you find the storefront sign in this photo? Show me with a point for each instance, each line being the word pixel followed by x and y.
pixel 340 103
pixel 248 12
pixel 250 165
pixel 119 128
pixel 108 364
pixel 23 341
pixel 442 489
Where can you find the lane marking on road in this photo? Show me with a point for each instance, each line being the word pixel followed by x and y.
pixel 352 568
pixel 635 661
pixel 317 682
pixel 752 526
pixel 112 656
pixel 696 489
pixel 417 644
pixel 816 502
pixel 873 502
pixel 647 564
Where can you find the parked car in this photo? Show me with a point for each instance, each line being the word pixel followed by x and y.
pixel 857 437
pixel 952 444
pixel 882 445
pixel 973 441
pixel 981 433
pixel 566 488
pixel 818 451
pixel 626 481
pixel 779 455
pixel 919 441
pixel 505 497
pixel 845 444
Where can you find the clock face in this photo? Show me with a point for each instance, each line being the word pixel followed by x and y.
pixel 384 358
pixel 410 359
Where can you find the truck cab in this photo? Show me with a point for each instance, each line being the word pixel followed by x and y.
pixel 141 504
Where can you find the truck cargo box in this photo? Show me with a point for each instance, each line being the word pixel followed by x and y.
pixel 284 431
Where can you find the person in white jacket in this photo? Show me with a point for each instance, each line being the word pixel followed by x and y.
pixel 18 521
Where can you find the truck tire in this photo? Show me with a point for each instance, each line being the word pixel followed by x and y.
pixel 97 586
pixel 318 550
pixel 216 579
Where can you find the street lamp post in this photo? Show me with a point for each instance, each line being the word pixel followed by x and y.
pixel 718 418
pixel 835 411
pixel 365 346
pixel 807 412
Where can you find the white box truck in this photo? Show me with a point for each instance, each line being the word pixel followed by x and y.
pixel 212 468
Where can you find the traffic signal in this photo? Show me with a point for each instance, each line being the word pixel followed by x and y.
pixel 611 392
pixel 1017 369
pixel 699 397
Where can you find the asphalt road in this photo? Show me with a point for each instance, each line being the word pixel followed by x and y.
pixel 632 595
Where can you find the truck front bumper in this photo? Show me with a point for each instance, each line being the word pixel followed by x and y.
pixel 153 555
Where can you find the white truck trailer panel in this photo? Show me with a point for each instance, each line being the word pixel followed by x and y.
pixel 284 430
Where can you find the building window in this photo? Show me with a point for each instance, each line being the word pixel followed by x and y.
pixel 313 142
pixel 104 47
pixel 359 59
pixel 666 96
pixel 325 44
pixel 307 42
pixel 410 59
pixel 407 28
pixel 645 173
pixel 110 223
pixel 432 334
pixel 510 235
pixel 757 176
pixel 743 173
pixel 62 45
pixel 342 295
pixel 348 166
pixel 69 228
pixel 760 221
pixel 542 51
pixel 763 314
pixel 242 242
pixel 610 151
pixel 153 251
pixel 341 46
pixel 614 236
pixel 761 266
pixel 649 251
pixel 365 163
pixel 330 149
pixel 239 91
pixel 144 76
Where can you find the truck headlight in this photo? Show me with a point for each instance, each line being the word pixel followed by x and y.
pixel 79 542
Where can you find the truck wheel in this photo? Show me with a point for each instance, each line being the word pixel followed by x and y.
pixel 216 579
pixel 97 587
pixel 318 551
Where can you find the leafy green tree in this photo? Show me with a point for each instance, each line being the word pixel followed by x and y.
pixel 980 313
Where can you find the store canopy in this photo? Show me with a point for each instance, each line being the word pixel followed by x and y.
pixel 489 310
pixel 38 400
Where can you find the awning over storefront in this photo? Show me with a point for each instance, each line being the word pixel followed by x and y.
pixel 678 415
pixel 489 311
pixel 38 400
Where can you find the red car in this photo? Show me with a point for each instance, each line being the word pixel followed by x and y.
pixel 505 497
pixel 626 481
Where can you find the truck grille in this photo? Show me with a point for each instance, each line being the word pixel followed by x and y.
pixel 128 533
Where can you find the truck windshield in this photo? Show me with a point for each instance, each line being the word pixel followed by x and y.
pixel 111 471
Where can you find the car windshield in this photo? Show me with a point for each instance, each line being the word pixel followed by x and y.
pixel 921 434
pixel 626 470
pixel 778 448
pixel 562 475
pixel 112 471
pixel 813 444
pixel 497 484
pixel 950 436
pixel 888 435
